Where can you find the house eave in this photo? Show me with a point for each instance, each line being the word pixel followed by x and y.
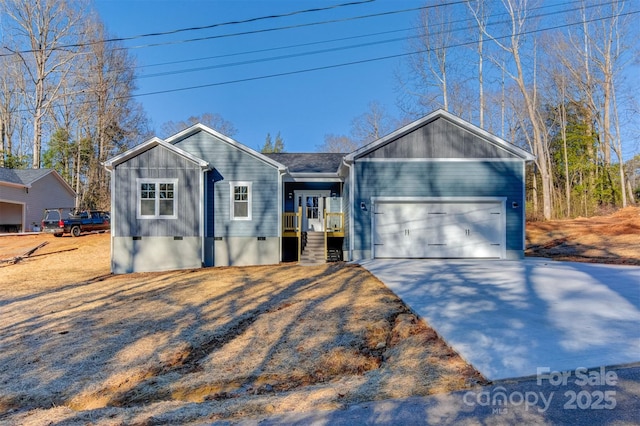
pixel 14 185
pixel 312 177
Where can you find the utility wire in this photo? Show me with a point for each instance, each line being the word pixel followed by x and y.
pixel 289 27
pixel 344 38
pixel 363 61
pixel 204 27
pixel 340 65
pixel 330 50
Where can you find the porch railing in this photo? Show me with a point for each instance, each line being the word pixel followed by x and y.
pixel 334 222
pixel 291 221
pixel 292 226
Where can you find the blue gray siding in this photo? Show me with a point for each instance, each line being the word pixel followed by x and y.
pixel 231 164
pixel 438 179
pixel 157 162
pixel 440 138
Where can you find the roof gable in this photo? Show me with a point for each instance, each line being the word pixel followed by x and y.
pixel 22 177
pixel 151 143
pixel 440 135
pixel 25 178
pixel 199 127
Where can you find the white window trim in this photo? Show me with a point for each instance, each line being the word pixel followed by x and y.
pixel 232 186
pixel 157 181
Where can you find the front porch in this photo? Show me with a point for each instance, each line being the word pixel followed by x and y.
pixel 313 222
pixel 307 244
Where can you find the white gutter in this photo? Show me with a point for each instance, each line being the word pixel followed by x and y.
pixel 349 164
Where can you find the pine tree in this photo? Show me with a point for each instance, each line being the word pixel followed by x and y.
pixel 272 148
pixel 267 148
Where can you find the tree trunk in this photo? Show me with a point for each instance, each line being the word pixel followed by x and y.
pixel 538 144
pixel 563 131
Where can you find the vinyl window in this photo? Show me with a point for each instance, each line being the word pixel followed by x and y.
pixel 240 200
pixel 157 198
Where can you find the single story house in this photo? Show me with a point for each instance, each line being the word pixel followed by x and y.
pixel 24 194
pixel 439 187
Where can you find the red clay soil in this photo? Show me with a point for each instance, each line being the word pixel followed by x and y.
pixel 613 238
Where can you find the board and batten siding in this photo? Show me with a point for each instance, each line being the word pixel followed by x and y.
pixel 156 163
pixel 433 178
pixel 232 164
pixel 440 138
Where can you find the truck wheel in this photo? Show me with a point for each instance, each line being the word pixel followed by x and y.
pixel 75 231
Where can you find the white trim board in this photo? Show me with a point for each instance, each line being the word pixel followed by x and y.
pixel 438 160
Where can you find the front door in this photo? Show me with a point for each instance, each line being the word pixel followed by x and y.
pixel 313 205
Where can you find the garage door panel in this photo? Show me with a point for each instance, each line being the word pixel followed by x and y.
pixel 391 230
pixel 439 230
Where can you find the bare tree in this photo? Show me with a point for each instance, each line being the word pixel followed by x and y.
pixel 44 29
pixel 517 12
pixel 481 13
pixel 430 65
pixel 365 128
pixel 213 120
pixel 112 119
pixel 595 57
pixel 10 80
pixel 608 43
pixel 338 143
pixel 373 124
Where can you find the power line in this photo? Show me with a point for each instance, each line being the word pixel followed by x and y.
pixel 289 27
pixel 329 50
pixel 204 27
pixel 323 41
pixel 341 65
pixel 363 61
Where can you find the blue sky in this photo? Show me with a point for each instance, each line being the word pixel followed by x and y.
pixel 303 107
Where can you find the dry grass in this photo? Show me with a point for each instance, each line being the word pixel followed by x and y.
pixel 79 345
pixel 614 238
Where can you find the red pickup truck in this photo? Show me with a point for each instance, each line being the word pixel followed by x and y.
pixel 76 222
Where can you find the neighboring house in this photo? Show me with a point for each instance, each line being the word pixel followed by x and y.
pixel 24 194
pixel 439 187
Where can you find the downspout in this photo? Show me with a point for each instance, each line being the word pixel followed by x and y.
pixel 112 185
pixel 523 215
pixel 281 173
pixel 202 207
pixel 349 164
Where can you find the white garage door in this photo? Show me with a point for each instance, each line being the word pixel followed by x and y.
pixel 438 230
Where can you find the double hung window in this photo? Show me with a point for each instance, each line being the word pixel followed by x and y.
pixel 240 200
pixel 157 198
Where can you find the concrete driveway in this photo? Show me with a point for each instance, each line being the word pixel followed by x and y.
pixel 509 318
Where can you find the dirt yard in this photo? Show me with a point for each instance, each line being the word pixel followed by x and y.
pixel 81 346
pixel 604 239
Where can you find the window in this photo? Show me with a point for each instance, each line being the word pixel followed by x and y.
pixel 157 198
pixel 240 200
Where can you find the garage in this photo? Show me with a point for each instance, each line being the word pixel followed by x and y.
pixel 439 228
pixel 11 217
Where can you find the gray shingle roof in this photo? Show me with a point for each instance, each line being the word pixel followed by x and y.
pixel 22 177
pixel 317 162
